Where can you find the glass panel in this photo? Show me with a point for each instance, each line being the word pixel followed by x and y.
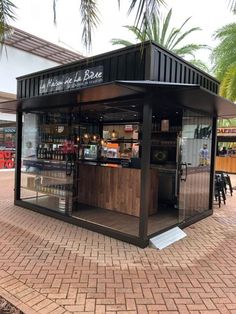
pixel 47 161
pixel 180 168
pixel 194 164
pixel 7 142
pixel 163 205
pixel 108 168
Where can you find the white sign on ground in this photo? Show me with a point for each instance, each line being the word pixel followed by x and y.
pixel 167 238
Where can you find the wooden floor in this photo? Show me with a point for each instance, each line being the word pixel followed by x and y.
pixel 126 223
pixel 166 217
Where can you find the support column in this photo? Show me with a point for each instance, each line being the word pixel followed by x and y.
pixel 145 168
pixel 18 156
pixel 213 154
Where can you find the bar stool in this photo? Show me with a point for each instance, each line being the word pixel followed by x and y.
pixel 227 181
pixel 219 189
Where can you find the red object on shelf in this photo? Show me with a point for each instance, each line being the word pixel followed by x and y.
pixel 7 159
pixel 128 128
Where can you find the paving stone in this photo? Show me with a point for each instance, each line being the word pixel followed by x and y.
pixel 49 266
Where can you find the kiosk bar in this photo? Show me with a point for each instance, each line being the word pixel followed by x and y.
pixel 122 143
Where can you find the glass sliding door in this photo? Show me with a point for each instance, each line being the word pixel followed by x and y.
pixel 194 157
pixel 180 160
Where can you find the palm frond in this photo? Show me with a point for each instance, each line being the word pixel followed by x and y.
pixel 177 33
pixel 232 5
pixel 182 37
pixel 189 49
pixel 140 35
pixel 224 54
pixel 158 29
pixel 54 7
pixel 228 84
pixel 121 42
pixel 165 26
pixel 90 20
pixel 200 64
pixel 7 14
pixel 144 8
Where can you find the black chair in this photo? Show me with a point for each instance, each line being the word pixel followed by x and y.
pixel 219 189
pixel 227 181
pixel 228 184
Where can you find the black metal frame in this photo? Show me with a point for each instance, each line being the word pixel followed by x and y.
pixel 213 154
pixel 18 156
pixel 86 224
pixel 142 239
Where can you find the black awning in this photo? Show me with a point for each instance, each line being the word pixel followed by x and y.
pixel 188 95
pixel 185 95
pixel 98 93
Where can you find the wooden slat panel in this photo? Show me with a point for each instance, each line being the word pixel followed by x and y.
pixel 227 164
pixel 115 189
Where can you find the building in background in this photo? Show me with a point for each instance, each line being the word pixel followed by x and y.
pixel 23 53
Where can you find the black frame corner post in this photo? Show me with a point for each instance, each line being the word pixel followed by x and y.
pixel 213 157
pixel 18 155
pixel 145 168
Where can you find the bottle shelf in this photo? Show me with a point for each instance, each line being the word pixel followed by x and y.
pixel 40 191
pixel 44 160
pixel 126 141
pixel 65 179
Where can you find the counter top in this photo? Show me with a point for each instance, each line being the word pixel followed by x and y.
pixel 113 163
pixel 100 164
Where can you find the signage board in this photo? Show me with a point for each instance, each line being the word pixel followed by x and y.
pixel 72 80
pixel 226 131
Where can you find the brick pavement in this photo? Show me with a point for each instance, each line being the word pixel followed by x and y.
pixel 49 266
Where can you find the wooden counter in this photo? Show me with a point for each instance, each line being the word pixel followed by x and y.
pixel 226 163
pixel 115 189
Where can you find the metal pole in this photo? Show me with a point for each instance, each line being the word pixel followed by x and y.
pixel 18 155
pixel 145 168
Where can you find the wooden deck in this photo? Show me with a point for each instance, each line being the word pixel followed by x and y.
pixel 122 222
pixel 126 223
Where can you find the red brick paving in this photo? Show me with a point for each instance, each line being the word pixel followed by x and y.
pixel 49 266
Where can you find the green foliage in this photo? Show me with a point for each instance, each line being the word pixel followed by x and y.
pixel 6 15
pixel 232 5
pixel 159 30
pixel 224 60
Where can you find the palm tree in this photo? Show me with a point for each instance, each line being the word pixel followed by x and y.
pixel 232 5
pixel 89 15
pixel 159 30
pixel 224 59
pixel 6 15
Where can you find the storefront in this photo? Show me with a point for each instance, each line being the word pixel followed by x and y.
pixel 122 143
pixel 7 141
pixel 226 149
